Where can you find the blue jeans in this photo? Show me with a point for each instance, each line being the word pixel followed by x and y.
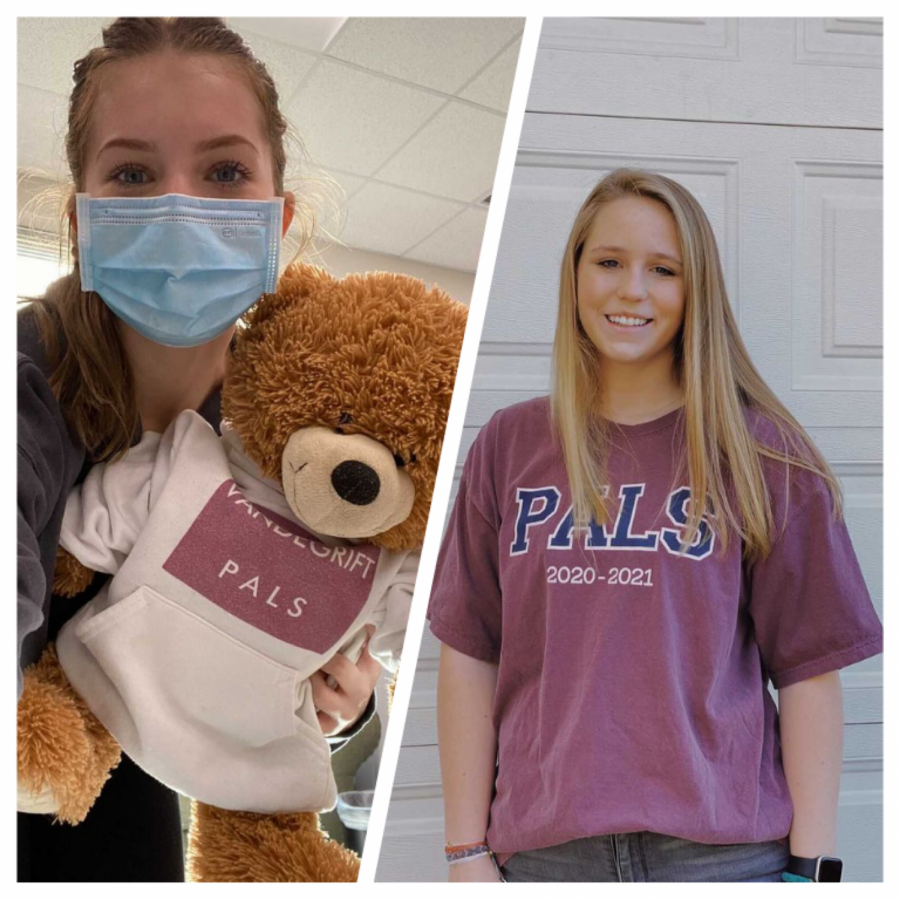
pixel 646 856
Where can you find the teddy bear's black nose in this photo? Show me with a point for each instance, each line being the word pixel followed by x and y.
pixel 356 482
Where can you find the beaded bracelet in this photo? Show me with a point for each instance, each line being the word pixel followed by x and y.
pixel 467 856
pixel 456 853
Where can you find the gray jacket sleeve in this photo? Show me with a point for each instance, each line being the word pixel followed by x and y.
pixel 48 465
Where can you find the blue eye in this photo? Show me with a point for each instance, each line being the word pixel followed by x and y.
pixel 661 269
pixel 237 168
pixel 128 169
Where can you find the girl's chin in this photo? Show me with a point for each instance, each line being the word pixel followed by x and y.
pixel 624 351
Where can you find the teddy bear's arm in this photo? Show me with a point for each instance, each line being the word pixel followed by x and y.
pixel 224 845
pixel 70 577
pixel 64 754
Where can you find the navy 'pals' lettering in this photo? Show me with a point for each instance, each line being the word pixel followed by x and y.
pixel 597 537
pixel 535 506
pixel 561 539
pixel 623 538
pixel 677 512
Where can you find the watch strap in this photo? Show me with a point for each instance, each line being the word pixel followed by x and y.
pixel 802 865
pixel 789 876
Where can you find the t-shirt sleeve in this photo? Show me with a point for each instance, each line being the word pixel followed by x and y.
pixel 465 608
pixel 810 606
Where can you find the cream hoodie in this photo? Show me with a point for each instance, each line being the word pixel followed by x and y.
pixel 197 653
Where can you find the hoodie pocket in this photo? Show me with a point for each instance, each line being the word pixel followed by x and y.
pixel 196 708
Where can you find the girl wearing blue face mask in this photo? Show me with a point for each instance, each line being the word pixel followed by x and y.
pixel 176 148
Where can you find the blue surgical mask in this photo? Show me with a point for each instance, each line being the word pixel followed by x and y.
pixel 178 269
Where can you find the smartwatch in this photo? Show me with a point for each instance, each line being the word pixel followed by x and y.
pixel 820 868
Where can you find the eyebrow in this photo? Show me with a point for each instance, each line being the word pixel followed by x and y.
pixel 623 250
pixel 225 140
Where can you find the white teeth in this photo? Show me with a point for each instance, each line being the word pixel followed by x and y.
pixel 627 320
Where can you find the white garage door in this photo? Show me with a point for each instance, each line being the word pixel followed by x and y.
pixel 775 125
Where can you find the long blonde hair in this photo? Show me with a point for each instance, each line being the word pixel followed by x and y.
pixel 713 369
pixel 91 377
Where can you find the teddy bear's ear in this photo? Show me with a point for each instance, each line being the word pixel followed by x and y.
pixel 263 309
pixel 298 282
pixel 302 280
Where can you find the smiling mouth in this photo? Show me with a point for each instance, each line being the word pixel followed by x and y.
pixel 628 321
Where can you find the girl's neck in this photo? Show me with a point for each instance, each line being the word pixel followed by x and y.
pixel 169 380
pixel 636 393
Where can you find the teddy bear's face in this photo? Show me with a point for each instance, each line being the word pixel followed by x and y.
pixel 346 485
pixel 341 389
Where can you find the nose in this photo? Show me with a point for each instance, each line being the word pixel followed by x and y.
pixel 356 482
pixel 179 179
pixel 178 185
pixel 632 285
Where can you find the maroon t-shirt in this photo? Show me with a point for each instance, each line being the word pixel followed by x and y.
pixel 632 683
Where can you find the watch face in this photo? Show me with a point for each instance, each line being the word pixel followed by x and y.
pixel 830 869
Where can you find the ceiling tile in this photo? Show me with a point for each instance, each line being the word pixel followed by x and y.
pixel 438 53
pixel 49 47
pixel 457 244
pixel 349 184
pixel 41 132
pixel 494 85
pixel 287 65
pixel 307 33
pixel 454 155
pixel 332 201
pixel 390 220
pixel 354 121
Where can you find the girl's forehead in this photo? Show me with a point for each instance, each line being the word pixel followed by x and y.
pixel 162 96
pixel 633 219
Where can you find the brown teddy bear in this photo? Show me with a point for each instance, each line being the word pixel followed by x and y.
pixel 242 563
